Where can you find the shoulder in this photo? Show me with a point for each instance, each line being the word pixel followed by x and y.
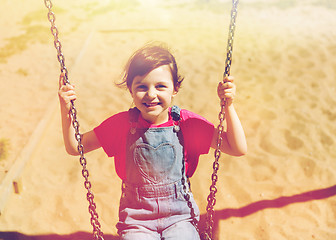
pixel 195 124
pixel 119 120
pixel 122 116
pixel 198 133
pixel 187 115
pixel 111 133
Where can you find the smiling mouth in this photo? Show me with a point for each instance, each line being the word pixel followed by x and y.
pixel 151 104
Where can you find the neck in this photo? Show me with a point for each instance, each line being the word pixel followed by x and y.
pixel 158 119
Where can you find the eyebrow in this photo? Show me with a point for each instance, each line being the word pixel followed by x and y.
pixel 139 82
pixel 136 81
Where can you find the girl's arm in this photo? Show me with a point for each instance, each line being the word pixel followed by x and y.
pixel 66 93
pixel 233 139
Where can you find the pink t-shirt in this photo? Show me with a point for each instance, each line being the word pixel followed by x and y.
pixel 197 133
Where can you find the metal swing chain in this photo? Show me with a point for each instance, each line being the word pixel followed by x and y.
pixel 208 234
pixel 187 197
pixel 97 233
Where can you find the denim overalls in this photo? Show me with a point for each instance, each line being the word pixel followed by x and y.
pixel 152 205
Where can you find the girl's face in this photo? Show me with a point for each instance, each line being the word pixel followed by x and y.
pixel 152 94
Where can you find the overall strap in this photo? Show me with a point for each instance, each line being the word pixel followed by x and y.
pixel 133 114
pixel 176 116
pixel 133 118
pixel 176 113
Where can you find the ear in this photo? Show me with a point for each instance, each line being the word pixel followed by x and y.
pixel 174 93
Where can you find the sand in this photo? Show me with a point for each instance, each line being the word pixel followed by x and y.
pixel 285 70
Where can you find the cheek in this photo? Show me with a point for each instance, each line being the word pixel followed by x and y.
pixel 137 95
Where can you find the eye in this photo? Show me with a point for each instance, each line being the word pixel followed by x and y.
pixel 161 86
pixel 141 87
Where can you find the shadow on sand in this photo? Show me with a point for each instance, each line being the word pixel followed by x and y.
pixel 219 215
pixel 267 204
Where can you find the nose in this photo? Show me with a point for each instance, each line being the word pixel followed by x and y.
pixel 151 93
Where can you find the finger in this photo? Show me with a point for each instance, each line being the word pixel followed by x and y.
pixel 223 88
pixel 227 85
pixel 224 92
pixel 228 79
pixel 69 87
pixel 70 92
pixel 220 88
pixel 67 97
pixel 66 89
pixel 229 91
pixel 72 97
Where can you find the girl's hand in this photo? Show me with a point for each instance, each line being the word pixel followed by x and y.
pixel 227 90
pixel 66 93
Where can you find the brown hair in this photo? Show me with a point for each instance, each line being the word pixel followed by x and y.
pixel 148 58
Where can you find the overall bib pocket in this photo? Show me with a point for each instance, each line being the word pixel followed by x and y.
pixel 155 164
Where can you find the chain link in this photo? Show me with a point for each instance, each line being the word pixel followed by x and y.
pixel 97 233
pixel 187 196
pixel 208 233
pixel 232 28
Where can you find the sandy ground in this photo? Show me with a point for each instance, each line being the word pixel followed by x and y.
pixel 285 69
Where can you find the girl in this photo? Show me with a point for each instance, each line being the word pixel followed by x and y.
pixel 156 146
